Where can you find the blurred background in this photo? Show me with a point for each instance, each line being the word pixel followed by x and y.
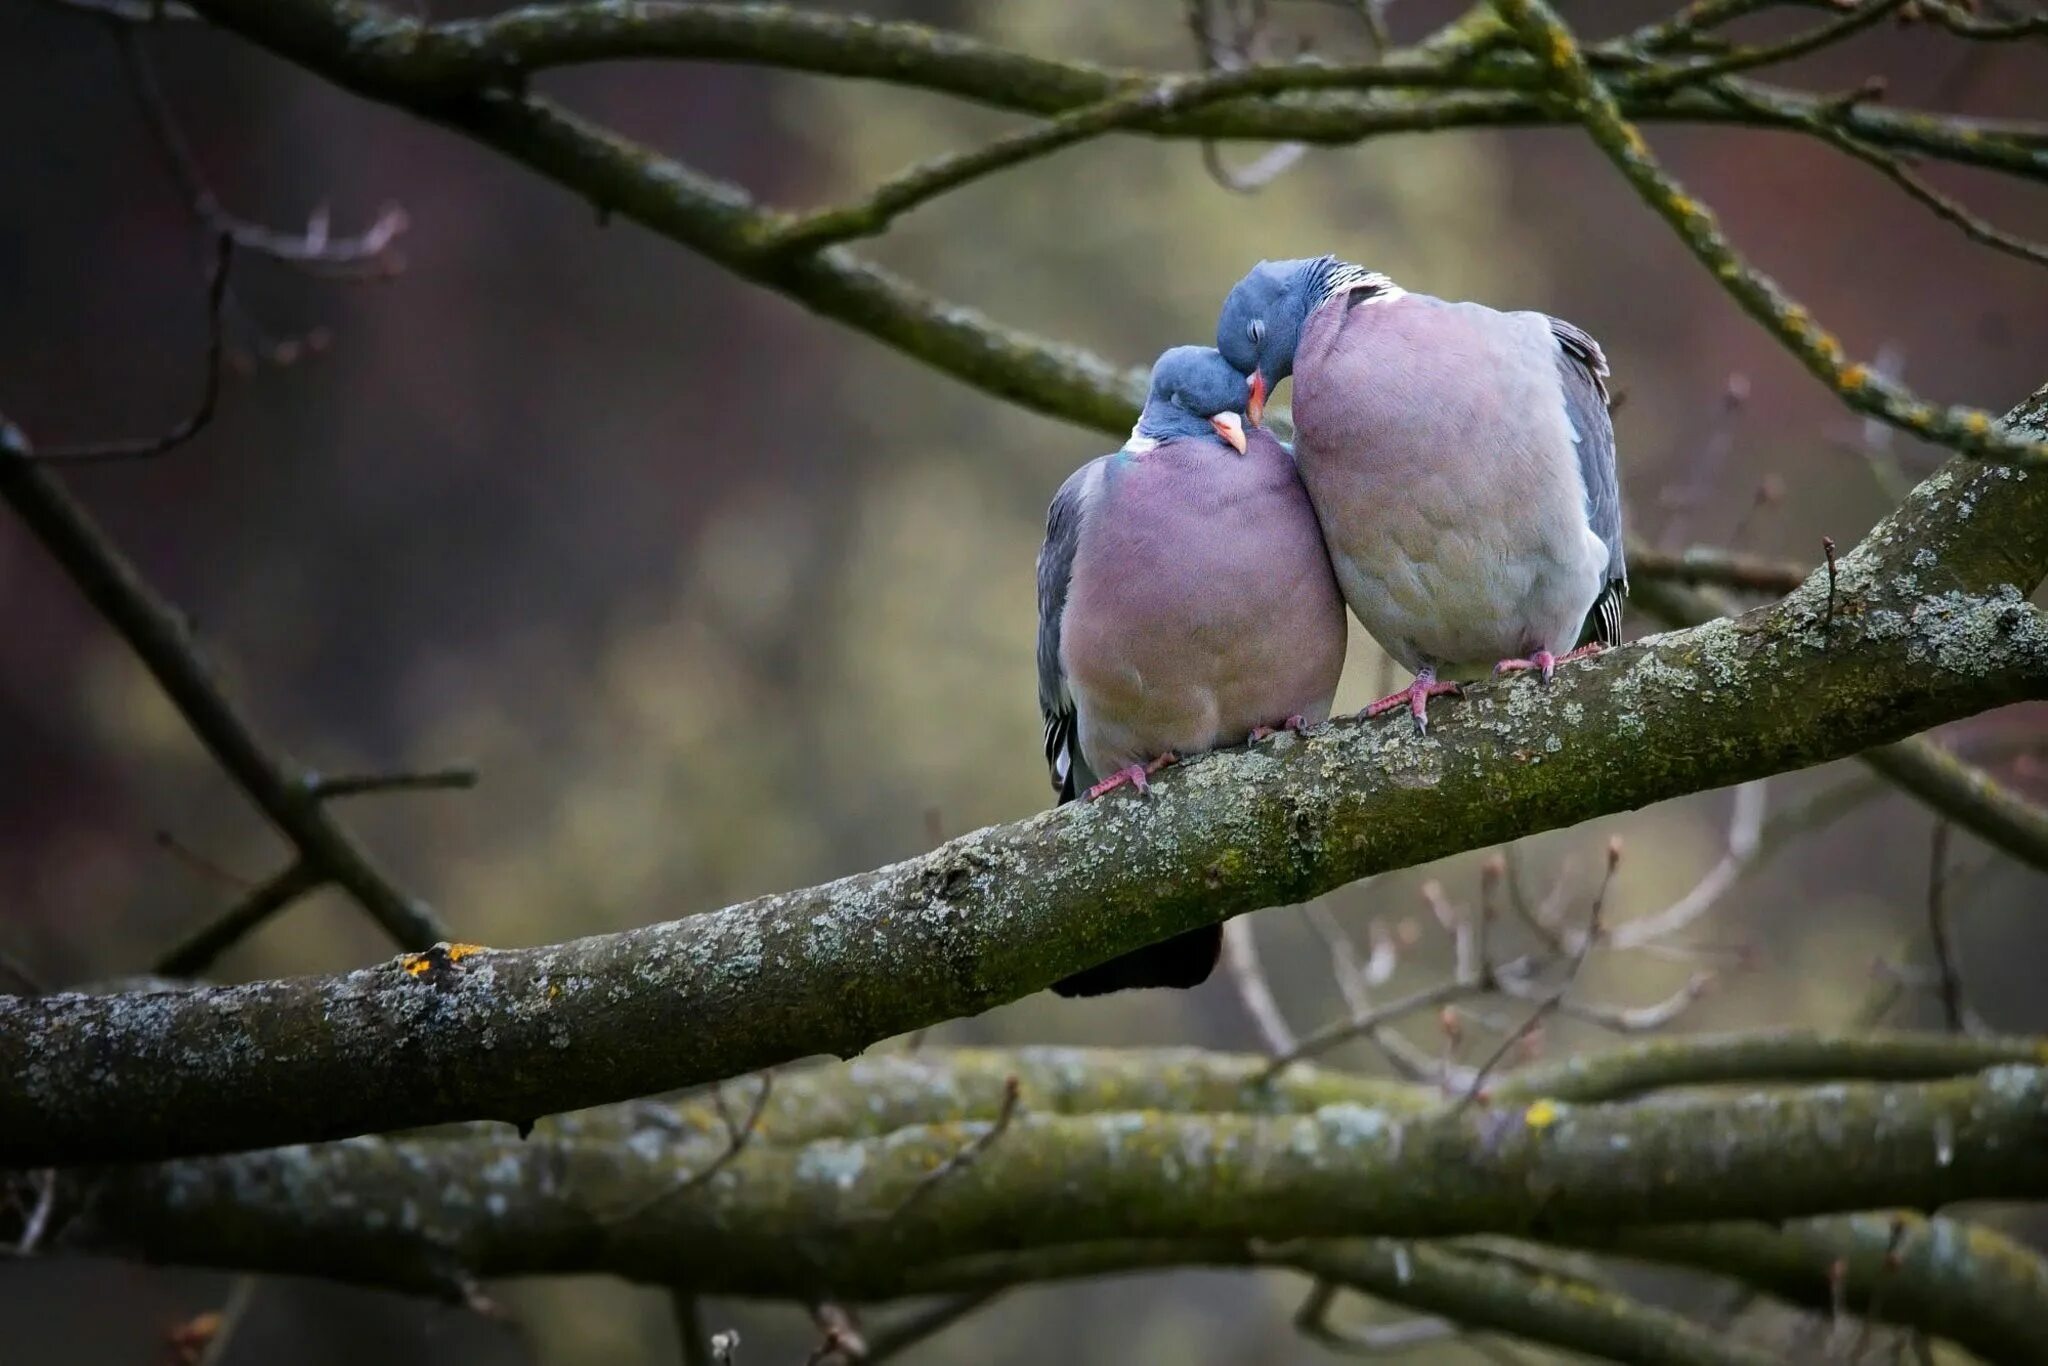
pixel 721 598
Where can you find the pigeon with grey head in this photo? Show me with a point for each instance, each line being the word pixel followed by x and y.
pixel 1185 602
pixel 1460 460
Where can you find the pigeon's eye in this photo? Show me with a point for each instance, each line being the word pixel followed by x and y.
pixel 1256 330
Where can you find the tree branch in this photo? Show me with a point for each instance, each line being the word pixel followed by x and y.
pixel 162 640
pixel 469 76
pixel 1966 430
pixel 836 1215
pixel 1933 626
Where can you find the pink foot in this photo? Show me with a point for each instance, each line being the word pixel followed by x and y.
pixel 1136 775
pixel 1416 695
pixel 1296 723
pixel 1544 662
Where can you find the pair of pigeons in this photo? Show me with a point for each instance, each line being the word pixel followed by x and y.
pixel 1452 478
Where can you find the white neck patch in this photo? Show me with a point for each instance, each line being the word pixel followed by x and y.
pixel 1139 443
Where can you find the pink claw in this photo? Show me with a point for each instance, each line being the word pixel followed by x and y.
pixel 1135 774
pixel 1544 662
pixel 1416 695
pixel 1296 723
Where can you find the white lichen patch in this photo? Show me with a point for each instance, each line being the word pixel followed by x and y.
pixel 1975 637
pixel 832 1162
pixel 1350 1125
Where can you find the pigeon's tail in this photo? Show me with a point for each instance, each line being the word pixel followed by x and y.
pixel 1186 960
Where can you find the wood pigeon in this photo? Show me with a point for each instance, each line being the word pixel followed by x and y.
pixel 1460 459
pixel 1185 602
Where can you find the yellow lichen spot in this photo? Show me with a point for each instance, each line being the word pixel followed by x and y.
pixel 1829 348
pixel 554 990
pixel 416 964
pixel 458 952
pixel 1855 377
pixel 1541 1115
pixel 1976 424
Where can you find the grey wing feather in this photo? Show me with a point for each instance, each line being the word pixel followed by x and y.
pixel 1055 568
pixel 1583 369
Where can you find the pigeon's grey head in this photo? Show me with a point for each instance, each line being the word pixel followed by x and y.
pixel 1194 391
pixel 1260 326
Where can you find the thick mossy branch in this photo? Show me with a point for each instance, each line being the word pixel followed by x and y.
pixel 1960 1281
pixel 1927 623
pixel 1077 1174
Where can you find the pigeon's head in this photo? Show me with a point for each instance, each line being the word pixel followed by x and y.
pixel 1260 325
pixel 1194 391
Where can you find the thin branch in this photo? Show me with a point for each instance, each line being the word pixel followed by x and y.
pixel 1491 1294
pixel 368 254
pixel 199 950
pixel 1968 795
pixel 37 1221
pixel 1248 976
pixel 922 183
pixel 146 447
pixel 1957 19
pixel 1753 1058
pixel 1894 168
pixel 1356 981
pixel 1859 17
pixel 966 1155
pixel 1968 431
pixel 739 1132
pixel 1591 936
pixel 1718 568
pixel 326 787
pixel 161 637
pixel 1949 980
pixel 1343 1031
pixel 1745 838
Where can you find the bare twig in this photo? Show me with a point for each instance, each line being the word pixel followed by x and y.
pixel 368 254
pixel 143 448
pixel 1827 629
pixel 37 1221
pixel 1968 431
pixel 1719 568
pixel 739 1131
pixel 1591 936
pixel 1356 981
pixel 1248 976
pixel 1957 19
pixel 1950 981
pixel 1858 17
pixel 327 788
pixel 1745 837
pixel 968 1152
pixel 161 638
pixel 198 951
pixel 1342 1031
